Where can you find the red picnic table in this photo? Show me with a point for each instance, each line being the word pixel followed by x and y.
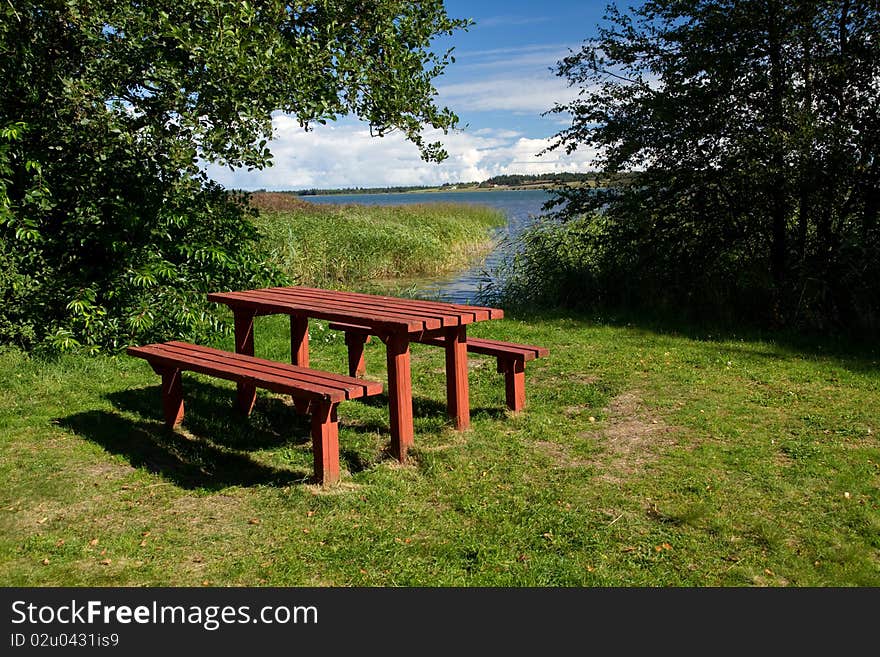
pixel 396 321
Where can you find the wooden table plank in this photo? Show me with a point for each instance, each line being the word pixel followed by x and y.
pixel 467 314
pixel 377 305
pixel 319 310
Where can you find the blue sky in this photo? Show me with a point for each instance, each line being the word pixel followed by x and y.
pixel 499 85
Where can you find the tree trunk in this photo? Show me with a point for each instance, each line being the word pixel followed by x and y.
pixel 778 184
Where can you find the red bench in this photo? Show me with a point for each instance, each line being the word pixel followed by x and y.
pixel 511 358
pixel 314 392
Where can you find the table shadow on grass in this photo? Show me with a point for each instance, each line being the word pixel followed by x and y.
pixel 425 407
pixel 209 450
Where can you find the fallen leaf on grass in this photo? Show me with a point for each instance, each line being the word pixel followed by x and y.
pixel 45 562
pixel 93 542
pixel 105 562
pixel 42 520
pixel 59 542
pixel 254 521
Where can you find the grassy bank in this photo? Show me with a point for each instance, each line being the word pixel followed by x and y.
pixel 332 246
pixel 644 458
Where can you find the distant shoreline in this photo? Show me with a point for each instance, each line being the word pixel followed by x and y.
pixel 435 190
pixel 545 182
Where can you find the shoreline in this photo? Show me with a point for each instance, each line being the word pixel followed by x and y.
pixel 433 190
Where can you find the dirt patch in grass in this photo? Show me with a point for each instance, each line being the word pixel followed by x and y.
pixel 631 438
pixel 559 454
pixel 105 470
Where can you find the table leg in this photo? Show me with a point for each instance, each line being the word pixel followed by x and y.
pixel 299 341
pixel 400 394
pixel 457 401
pixel 246 394
pixel 355 342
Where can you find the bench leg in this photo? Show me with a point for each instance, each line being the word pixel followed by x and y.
pixel 246 394
pixel 299 341
pixel 457 402
pixel 514 370
pixel 325 443
pixel 399 395
pixel 172 397
pixel 357 366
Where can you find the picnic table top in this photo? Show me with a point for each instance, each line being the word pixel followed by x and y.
pixel 369 310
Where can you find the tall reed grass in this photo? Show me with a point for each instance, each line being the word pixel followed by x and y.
pixel 330 246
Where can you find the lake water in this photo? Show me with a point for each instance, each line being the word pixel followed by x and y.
pixel 521 207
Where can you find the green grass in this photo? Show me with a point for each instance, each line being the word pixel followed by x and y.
pixel 329 245
pixel 645 457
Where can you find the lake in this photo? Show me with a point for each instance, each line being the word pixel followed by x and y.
pixel 521 208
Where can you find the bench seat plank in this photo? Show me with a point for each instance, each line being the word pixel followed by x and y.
pixel 511 357
pixel 296 381
pixel 314 391
pixel 352 388
pixel 496 347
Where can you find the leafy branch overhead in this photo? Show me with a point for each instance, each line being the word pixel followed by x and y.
pixel 109 110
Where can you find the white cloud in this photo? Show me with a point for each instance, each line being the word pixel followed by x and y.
pixel 345 155
pixel 551 50
pixel 534 95
pixel 519 80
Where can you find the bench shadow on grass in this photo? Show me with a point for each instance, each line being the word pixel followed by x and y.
pixel 209 451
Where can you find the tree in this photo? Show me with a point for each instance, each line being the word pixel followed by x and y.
pixel 751 130
pixel 110 229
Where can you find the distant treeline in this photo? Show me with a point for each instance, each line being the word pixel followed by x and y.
pixel 511 180
pixel 361 190
pixel 518 179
